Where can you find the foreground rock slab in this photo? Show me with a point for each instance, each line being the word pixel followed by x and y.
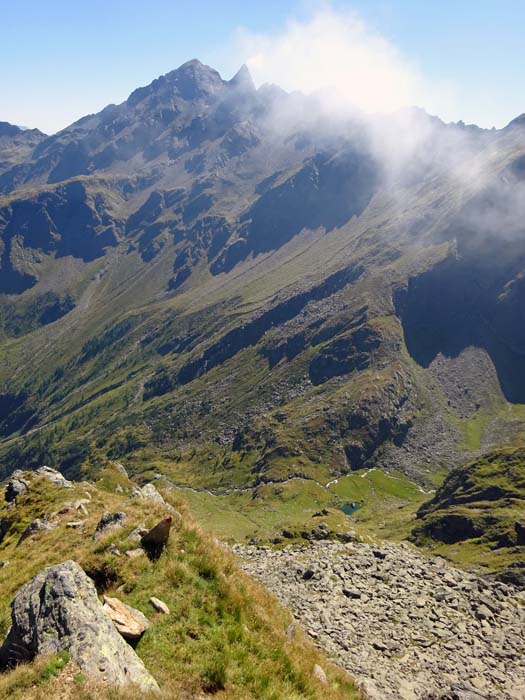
pixel 58 610
pixel 129 622
pixel 406 626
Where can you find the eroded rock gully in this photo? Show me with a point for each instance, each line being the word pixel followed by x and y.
pixel 408 627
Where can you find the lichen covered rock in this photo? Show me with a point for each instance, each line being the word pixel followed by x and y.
pixel 58 610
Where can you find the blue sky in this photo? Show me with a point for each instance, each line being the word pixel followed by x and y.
pixel 461 60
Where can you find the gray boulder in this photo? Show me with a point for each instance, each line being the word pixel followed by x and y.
pixel 108 522
pixel 16 486
pixel 149 491
pixel 55 477
pixel 58 610
pixel 37 525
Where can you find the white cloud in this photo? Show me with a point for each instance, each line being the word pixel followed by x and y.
pixel 337 52
pixel 334 51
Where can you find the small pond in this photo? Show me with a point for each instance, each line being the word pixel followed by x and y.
pixel 350 507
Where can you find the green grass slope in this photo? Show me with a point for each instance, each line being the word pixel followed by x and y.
pixel 478 515
pixel 224 637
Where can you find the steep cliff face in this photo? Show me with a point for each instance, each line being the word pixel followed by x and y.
pixel 182 267
pixel 475 297
pixel 67 221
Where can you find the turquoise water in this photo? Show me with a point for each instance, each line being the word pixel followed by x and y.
pixel 350 508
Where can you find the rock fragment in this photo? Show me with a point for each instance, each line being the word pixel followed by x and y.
pixel 410 626
pixel 134 553
pixel 128 621
pixel 159 605
pixel 319 674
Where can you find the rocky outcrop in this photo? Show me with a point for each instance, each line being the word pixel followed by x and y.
pixel 108 522
pixel 16 486
pixel 37 525
pixel 20 481
pixel 326 191
pixel 406 626
pixel 348 352
pixel 70 221
pixel 55 477
pixel 483 499
pixel 150 491
pixel 252 331
pixel 58 610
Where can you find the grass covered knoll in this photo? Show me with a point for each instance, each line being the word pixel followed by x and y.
pixel 224 637
pixel 478 514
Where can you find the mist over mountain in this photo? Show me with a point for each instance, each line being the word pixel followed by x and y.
pixel 220 267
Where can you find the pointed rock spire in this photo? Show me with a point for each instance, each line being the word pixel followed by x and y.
pixel 242 79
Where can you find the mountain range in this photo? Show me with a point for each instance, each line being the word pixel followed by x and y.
pixel 235 287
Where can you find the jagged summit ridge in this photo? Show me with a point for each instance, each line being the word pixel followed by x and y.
pixel 191 81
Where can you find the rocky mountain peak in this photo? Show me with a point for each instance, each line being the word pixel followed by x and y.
pixel 194 80
pixel 191 81
pixel 243 79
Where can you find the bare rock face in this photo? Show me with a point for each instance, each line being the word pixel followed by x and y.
pixel 128 621
pixel 58 610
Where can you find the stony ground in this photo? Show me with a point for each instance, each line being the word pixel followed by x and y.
pixel 406 626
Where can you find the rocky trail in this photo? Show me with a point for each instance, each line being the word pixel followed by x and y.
pixel 408 627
